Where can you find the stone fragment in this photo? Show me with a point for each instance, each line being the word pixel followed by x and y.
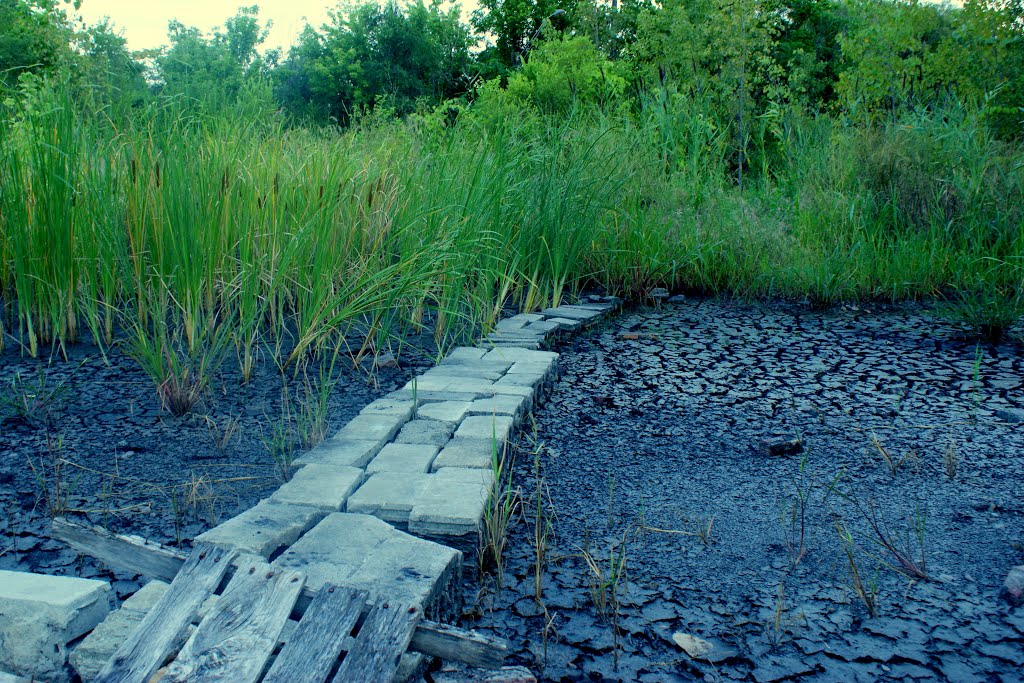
pixel 388 495
pixel 340 452
pixel 1013 587
pixel 658 293
pixel 1014 415
pixel 781 445
pixel 430 432
pixel 404 457
pixel 322 486
pixel 452 503
pixel 264 528
pixel 93 652
pixel 466 452
pixel 359 551
pixel 40 614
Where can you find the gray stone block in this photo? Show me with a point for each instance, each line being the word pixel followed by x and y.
pixel 264 528
pixel 458 385
pixel 430 432
pixel 493 427
pixel 340 452
pixel 462 452
pixel 543 327
pixel 379 427
pixel 573 312
pixel 390 406
pixel 566 323
pixel 388 495
pixel 464 353
pixel 467 370
pixel 505 404
pixel 516 355
pixel 40 614
pixel 96 648
pixel 426 397
pixel 358 551
pixel 404 457
pixel 322 486
pixel 445 411
pixel 452 503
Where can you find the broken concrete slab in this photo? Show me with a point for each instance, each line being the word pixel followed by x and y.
pixel 265 528
pixel 322 486
pixel 475 453
pixel 404 457
pixel 40 614
pixel 359 551
pixel 340 452
pixel 388 495
pixel 93 652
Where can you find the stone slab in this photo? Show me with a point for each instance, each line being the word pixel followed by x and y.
pixel 464 353
pixel 340 452
pixel 468 370
pixel 321 486
pixel 504 404
pixel 388 495
pixel 494 427
pixel 265 528
pixel 430 432
pixel 463 452
pixel 573 312
pixel 543 327
pixel 96 648
pixel 404 457
pixel 516 355
pixel 445 411
pixel 390 406
pixel 40 614
pixel 378 427
pixel 452 503
pixel 567 323
pixel 359 551
pixel 457 385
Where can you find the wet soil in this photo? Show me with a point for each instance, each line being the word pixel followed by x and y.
pixel 87 435
pixel 654 462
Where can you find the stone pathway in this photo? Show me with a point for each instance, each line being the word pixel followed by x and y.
pixel 367 507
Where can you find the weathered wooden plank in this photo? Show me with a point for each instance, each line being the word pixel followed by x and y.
pixel 316 644
pixel 235 640
pixel 164 627
pixel 460 645
pixel 138 554
pixel 383 639
pixel 431 638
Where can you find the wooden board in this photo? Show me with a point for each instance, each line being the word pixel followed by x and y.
pixel 315 645
pixel 382 640
pixel 159 562
pixel 235 640
pixel 164 627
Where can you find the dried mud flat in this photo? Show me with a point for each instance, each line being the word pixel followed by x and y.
pixel 654 463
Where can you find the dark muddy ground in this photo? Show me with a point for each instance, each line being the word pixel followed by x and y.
pixel 130 466
pixel 652 436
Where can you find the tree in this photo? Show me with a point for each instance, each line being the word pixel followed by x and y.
pixel 516 24
pixel 35 37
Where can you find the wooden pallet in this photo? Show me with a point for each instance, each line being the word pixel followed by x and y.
pixel 240 633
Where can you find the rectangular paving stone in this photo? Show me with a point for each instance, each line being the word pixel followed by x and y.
pixel 517 355
pixel 265 528
pixel 572 312
pixel 459 385
pixel 543 327
pixel 505 404
pixel 372 427
pixel 390 406
pixel 322 486
pixel 464 353
pixel 475 453
pixel 425 397
pixel 567 323
pixel 340 452
pixel 404 457
pixel 423 431
pixel 477 370
pixel 502 387
pixel 40 614
pixel 445 411
pixel 486 427
pixel 359 551
pixel 452 504
pixel 388 495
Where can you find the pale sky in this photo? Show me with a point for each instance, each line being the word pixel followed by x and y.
pixel 144 22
